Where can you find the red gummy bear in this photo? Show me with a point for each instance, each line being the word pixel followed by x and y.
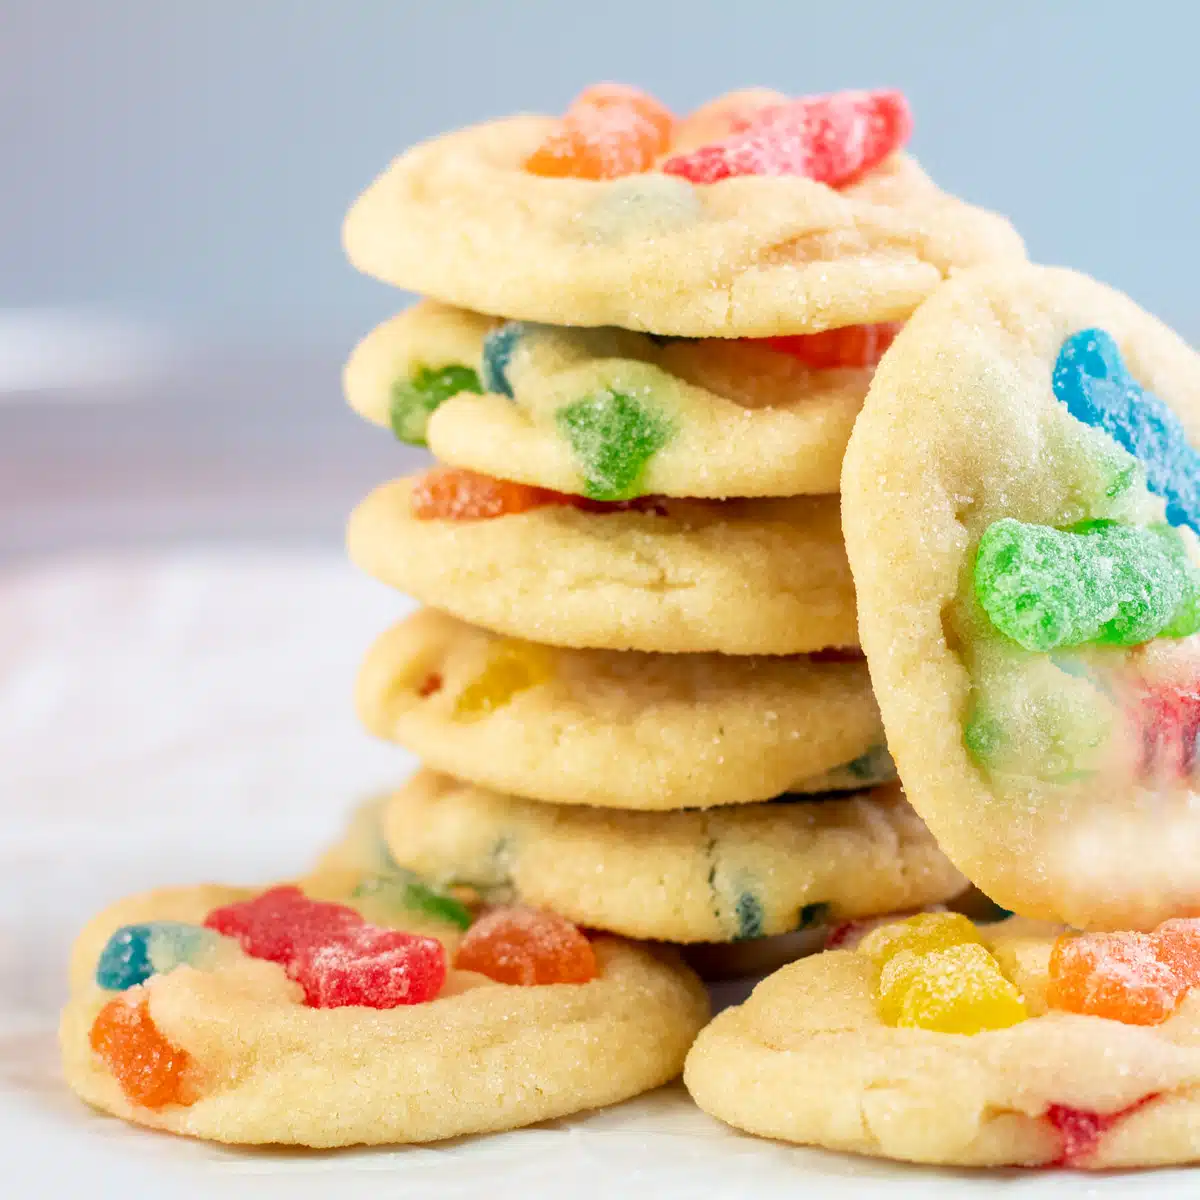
pixel 527 947
pixel 371 967
pixel 849 346
pixel 1169 723
pixel 336 957
pixel 279 923
pixel 1081 1129
pixel 832 139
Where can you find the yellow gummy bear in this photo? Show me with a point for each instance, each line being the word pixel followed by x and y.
pixel 920 934
pixel 512 667
pixel 959 989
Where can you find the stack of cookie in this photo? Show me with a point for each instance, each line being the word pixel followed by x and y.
pixel 636 686
pixel 639 696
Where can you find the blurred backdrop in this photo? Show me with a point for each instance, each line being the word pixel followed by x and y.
pixel 174 306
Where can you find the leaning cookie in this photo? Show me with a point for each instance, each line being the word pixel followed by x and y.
pixel 611 414
pixel 935 1041
pixel 275 1018
pixel 620 729
pixel 1021 502
pixel 736 577
pixel 721 875
pixel 737 222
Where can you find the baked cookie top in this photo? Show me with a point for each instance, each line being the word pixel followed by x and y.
pixel 721 875
pixel 937 1041
pixel 277 1018
pixel 755 216
pixel 734 576
pixel 1020 506
pixel 621 729
pixel 611 414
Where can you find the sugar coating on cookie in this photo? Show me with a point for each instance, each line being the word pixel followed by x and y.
pixel 1019 509
pixel 309 1024
pixel 824 1055
pixel 725 874
pixel 759 215
pixel 736 577
pixel 682 417
pixel 620 729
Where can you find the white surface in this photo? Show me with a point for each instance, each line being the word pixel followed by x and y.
pixel 189 717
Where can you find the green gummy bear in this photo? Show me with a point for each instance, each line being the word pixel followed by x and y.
pixel 415 398
pixel 402 889
pixel 1099 583
pixel 750 917
pixel 613 437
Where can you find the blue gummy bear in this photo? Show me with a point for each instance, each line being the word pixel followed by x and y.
pixel 127 958
pixel 498 349
pixel 1091 379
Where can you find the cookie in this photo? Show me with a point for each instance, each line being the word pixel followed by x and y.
pixel 1020 501
pixel 736 577
pixel 463 220
pixel 620 729
pixel 735 417
pixel 208 1015
pixel 362 854
pixel 720 875
pixel 873 1050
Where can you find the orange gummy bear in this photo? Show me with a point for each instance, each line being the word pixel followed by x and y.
pixel 453 494
pixel 1115 975
pixel 527 947
pixel 1177 944
pixel 456 494
pixel 149 1069
pixel 849 346
pixel 610 130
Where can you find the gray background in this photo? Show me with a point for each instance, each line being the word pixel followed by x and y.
pixel 186 165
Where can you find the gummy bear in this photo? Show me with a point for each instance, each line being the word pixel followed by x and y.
pixel 455 494
pixel 610 130
pixel 278 923
pixel 415 398
pixel 920 934
pixel 149 1069
pixel 728 114
pixel 750 915
pixel 401 889
pixel 335 956
pixel 1081 1129
pixel 370 967
pixel 527 947
pixel 513 666
pixel 1102 583
pixel 498 349
pixel 1177 943
pixel 850 346
pixel 1115 975
pixel 1091 379
pixel 613 436
pixel 959 989
pixel 135 952
pixel 430 685
pixel 833 139
pixel 1167 720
